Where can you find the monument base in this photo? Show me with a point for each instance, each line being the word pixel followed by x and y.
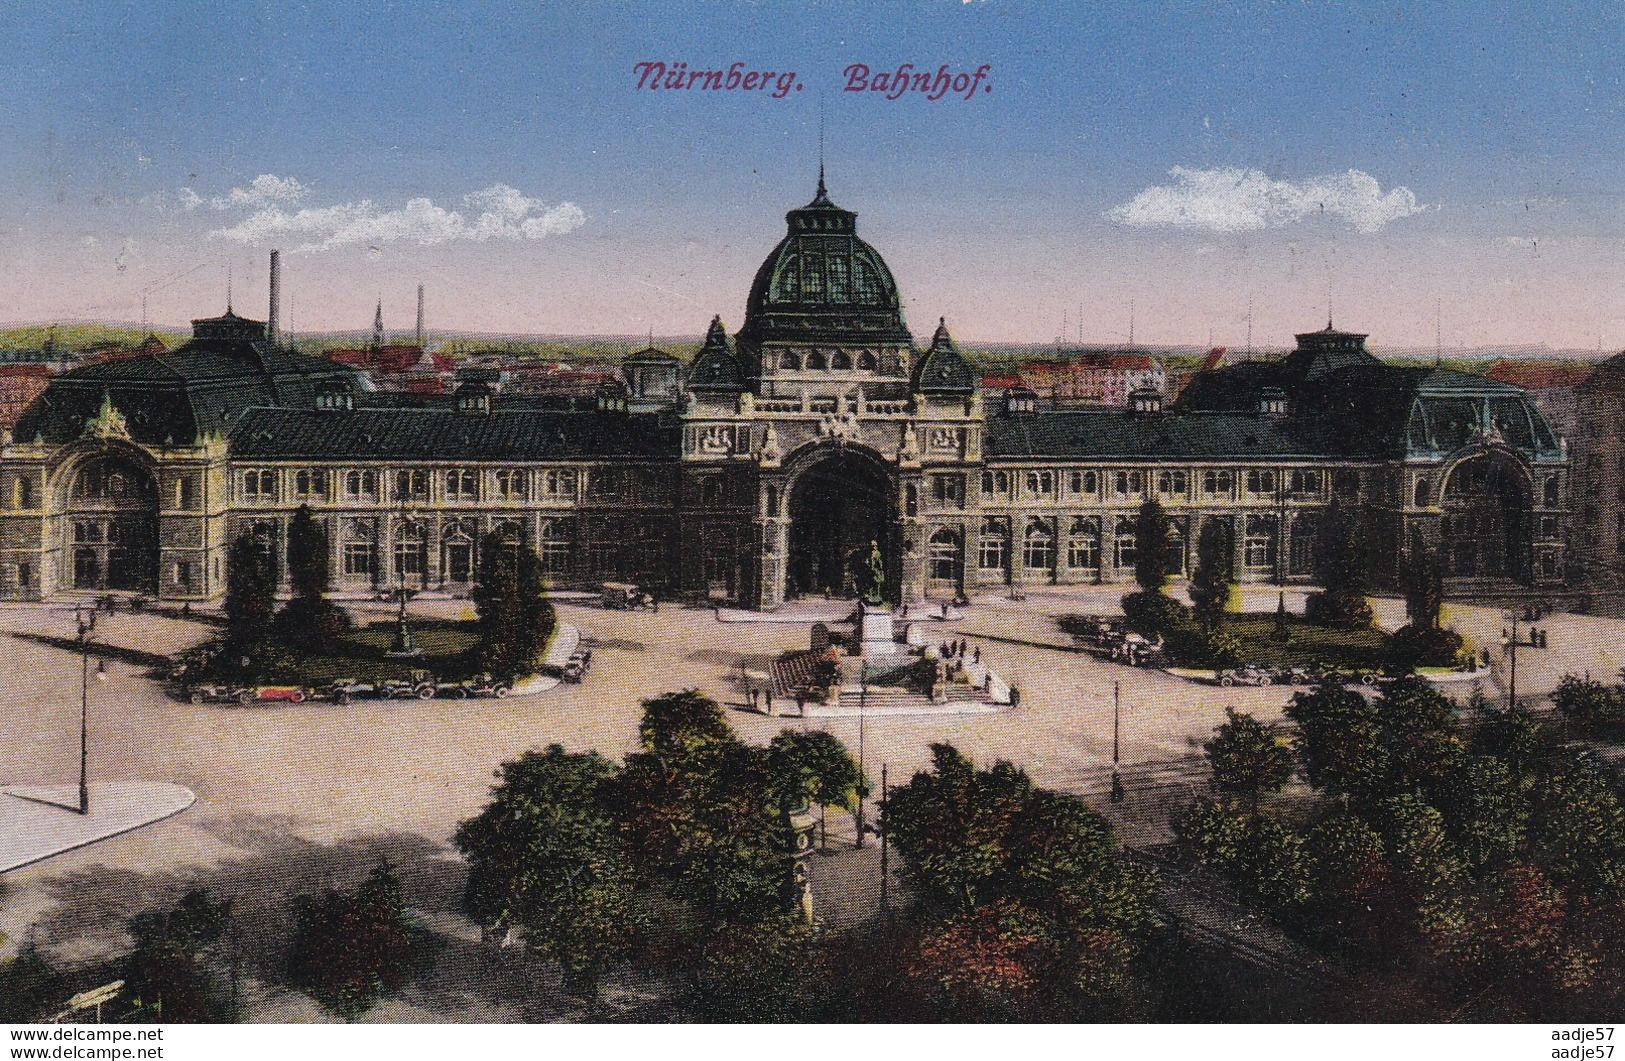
pixel 875 634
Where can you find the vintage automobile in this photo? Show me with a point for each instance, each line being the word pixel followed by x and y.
pixel 420 684
pixel 1294 676
pixel 624 596
pixel 1248 675
pixel 575 668
pixel 345 690
pixel 266 694
pixel 211 694
pixel 479 685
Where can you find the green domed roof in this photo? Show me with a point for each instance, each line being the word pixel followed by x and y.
pixel 823 283
pixel 715 367
pixel 942 369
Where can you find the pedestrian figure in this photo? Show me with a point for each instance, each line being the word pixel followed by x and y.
pixel 770 699
pixel 978 657
pixel 945 609
pixel 963 647
pixel 801 702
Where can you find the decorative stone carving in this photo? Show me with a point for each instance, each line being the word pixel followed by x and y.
pixel 842 427
pixel 770 453
pixel 716 441
pixel 909 451
pixel 108 422
pixel 747 403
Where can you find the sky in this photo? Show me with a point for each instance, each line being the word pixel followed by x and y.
pixel 1419 170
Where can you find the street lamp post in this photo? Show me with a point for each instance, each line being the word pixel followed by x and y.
pixel 1117 716
pixel 402 645
pixel 85 627
pixel 1512 653
pixel 863 785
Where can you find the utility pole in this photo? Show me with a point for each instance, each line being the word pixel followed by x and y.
pixel 885 842
pixel 1512 650
pixel 1117 717
pixel 863 786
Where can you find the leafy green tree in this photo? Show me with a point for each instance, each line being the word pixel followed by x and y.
pixel 813 765
pixel 1213 832
pixel 1248 758
pixel 1427 869
pixel 675 725
pixel 1513 735
pixel 1273 867
pixel 1422 580
pixel 250 604
pixel 700 814
pixel 1586 701
pixel 1578 829
pixel 309 620
pixel 1340 741
pixel 31 989
pixel 168 971
pixel 1212 580
pixel 546 858
pixel 1486 811
pixel 997 962
pixel 1151 555
pixel 1425 747
pixel 1349 871
pixel 1342 569
pixel 513 616
pixel 351 949
pixel 757 972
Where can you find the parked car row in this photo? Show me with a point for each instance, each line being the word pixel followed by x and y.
pixel 1253 674
pixel 574 668
pixel 418 685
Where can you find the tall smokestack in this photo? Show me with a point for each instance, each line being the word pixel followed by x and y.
pixel 420 316
pixel 276 295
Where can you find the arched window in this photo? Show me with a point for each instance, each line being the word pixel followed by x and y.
pixel 1038 547
pixel 1124 544
pixel 840 360
pixel 25 492
pixel 1550 491
pixel 1083 544
pixel 815 359
pixel 512 484
pixel 943 557
pixel 510 532
pixel 357 550
pixel 867 360
pixel 555 551
pixel 987 484
pixel 1260 542
pixel 1174 547
pixel 788 359
pixel 711 490
pixel 771 498
pixel 911 500
pixel 1423 494
pixel 411 545
pixel 993 549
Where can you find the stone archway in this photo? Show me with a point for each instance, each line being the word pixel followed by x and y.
pixel 1484 531
pixel 110 525
pixel 840 501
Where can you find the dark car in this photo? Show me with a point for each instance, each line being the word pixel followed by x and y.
pixel 481 685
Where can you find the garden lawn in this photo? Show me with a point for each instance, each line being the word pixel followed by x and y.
pixel 1355 649
pixel 363 654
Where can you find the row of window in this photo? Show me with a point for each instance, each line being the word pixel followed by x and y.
pixel 412 484
pixel 835 360
pixel 948 489
pixel 1084 544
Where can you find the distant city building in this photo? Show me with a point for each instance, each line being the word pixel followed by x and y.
pixel 1092 377
pixel 1598 452
pixel 1554 388
pixel 20 384
pixel 116 351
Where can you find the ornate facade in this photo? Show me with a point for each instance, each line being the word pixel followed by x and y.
pixel 817 428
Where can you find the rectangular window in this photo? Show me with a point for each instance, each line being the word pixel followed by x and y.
pixel 462 484
pixel 25 574
pixel 183 574
pixel 948 490
pixel 412 485
pixel 358 558
pixel 512 484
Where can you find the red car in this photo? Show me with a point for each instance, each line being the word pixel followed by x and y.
pixel 293 694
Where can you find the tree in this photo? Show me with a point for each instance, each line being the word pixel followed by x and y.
pixel 993 962
pixel 1423 582
pixel 1151 555
pixel 546 857
pixel 514 617
pixel 813 765
pixel 700 815
pixel 972 839
pixel 309 620
pixel 1578 829
pixel 1428 873
pixel 1212 580
pixel 1248 758
pixel 1512 735
pixel 250 596
pixel 1486 811
pixel 168 971
pixel 755 973
pixel 1588 702
pixel 1425 747
pixel 1340 741
pixel 1341 568
pixel 350 949
pixel 31 989
pixel 1349 872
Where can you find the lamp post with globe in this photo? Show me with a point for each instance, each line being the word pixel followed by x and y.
pixel 85 626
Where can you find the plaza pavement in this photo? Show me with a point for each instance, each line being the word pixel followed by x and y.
pixel 294 798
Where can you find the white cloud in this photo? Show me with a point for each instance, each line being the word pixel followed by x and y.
pixel 265 190
pixel 1247 200
pixel 496 212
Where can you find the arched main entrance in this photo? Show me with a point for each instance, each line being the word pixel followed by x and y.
pixel 112 526
pixel 1484 532
pixel 838 504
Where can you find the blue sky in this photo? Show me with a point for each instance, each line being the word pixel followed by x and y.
pixel 1489 140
